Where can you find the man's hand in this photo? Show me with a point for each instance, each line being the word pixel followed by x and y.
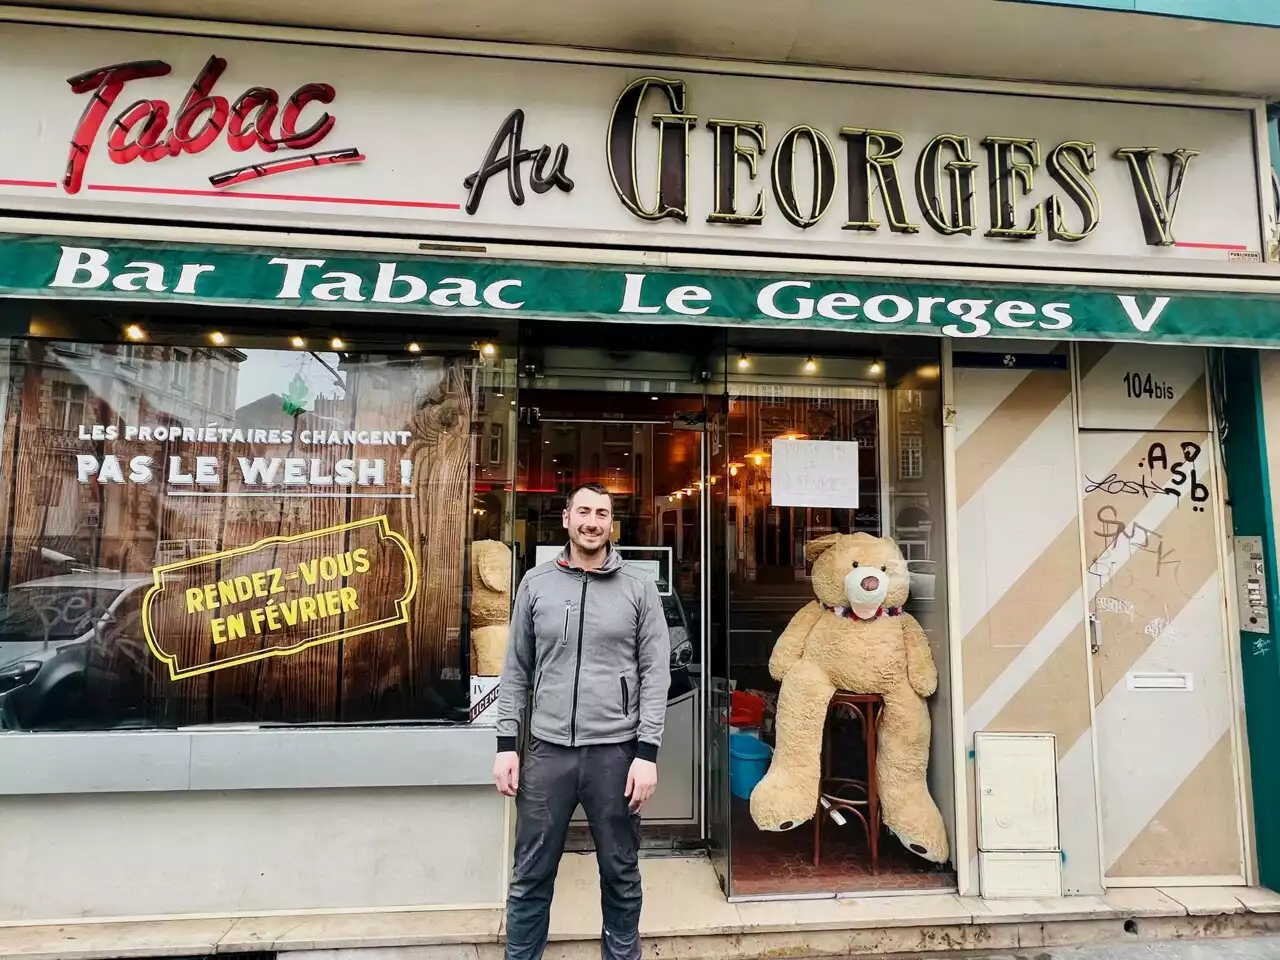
pixel 642 780
pixel 506 773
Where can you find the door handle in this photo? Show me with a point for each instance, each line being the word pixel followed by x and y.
pixel 1095 633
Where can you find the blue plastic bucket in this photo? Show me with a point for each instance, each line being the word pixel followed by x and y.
pixel 748 763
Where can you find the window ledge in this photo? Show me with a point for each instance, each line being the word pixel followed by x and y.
pixel 244 759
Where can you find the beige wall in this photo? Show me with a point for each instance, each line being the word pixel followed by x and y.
pixel 249 851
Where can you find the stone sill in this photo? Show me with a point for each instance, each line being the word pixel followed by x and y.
pixel 683 909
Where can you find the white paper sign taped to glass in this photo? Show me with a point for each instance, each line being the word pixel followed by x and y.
pixel 814 473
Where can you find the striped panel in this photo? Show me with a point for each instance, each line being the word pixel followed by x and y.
pixel 1106 400
pixel 1180 837
pixel 988 448
pixel 1020 594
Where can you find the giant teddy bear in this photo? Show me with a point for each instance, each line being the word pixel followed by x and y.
pixel 855 637
pixel 490 606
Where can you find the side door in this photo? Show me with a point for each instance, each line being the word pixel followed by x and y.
pixel 1165 713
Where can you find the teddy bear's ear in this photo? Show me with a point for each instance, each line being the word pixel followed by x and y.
pixel 816 548
pixel 493 564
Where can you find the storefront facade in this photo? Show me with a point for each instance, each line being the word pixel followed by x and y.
pixel 295 333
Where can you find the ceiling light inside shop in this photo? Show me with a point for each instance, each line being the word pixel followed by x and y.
pixel 744 363
pixel 218 338
pixel 875 369
pixel 135 332
pixel 414 348
pixel 488 349
pixel 297 343
pixel 337 343
pixel 810 366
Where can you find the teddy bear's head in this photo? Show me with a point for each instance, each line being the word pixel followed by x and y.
pixel 858 571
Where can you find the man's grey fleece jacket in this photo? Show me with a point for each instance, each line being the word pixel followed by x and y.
pixel 591 649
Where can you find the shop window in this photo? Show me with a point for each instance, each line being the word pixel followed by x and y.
pixel 815 446
pixel 281 537
pixel 911 457
pixel 67 404
pixel 181 370
pixel 495 442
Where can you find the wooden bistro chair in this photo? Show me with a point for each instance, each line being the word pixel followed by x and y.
pixel 844 795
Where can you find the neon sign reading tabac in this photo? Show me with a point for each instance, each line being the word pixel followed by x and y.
pixel 254 120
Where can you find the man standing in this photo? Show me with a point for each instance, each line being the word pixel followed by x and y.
pixel 589 645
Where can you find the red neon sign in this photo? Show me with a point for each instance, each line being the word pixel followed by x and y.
pixel 254 120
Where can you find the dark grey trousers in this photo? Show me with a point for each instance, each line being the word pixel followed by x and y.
pixel 553 781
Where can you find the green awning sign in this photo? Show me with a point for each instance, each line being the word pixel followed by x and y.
pixel 138 271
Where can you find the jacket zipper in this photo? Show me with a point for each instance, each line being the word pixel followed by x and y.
pixel 564 637
pixel 626 697
pixel 577 667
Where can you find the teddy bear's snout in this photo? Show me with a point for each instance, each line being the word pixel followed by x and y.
pixel 865 588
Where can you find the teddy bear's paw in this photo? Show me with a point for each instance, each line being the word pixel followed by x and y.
pixel 781 802
pixel 924 835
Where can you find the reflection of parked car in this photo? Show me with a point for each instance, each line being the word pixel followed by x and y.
pixel 923 579
pixel 682 637
pixel 52 630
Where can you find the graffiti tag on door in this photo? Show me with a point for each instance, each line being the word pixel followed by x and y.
pixel 1158 477
pixel 1162 473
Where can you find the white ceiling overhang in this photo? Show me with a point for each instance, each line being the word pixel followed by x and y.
pixel 971 38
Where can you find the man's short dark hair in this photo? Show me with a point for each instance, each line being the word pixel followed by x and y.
pixel 593 487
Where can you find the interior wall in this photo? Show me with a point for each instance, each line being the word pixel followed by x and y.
pixel 1024 647
pixel 249 851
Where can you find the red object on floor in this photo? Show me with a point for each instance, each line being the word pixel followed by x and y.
pixel 746 710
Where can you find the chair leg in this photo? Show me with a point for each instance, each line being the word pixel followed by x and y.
pixel 873 795
pixel 817 837
pixel 817 813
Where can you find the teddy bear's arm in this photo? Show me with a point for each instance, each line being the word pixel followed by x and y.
pixel 790 646
pixel 922 673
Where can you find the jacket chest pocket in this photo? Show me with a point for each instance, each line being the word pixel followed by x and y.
pixel 568 615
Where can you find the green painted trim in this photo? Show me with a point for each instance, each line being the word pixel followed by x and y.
pixel 1252 514
pixel 232 276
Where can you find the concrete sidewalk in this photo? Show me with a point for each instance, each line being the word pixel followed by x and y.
pixel 1248 948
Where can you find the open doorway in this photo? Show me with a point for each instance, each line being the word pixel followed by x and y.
pixel 882 409
pixel 621 411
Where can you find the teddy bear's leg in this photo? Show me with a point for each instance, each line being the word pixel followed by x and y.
pixel 488 649
pixel 788 794
pixel 902 760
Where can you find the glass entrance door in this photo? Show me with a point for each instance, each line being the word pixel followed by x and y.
pixel 871 422
pixel 633 420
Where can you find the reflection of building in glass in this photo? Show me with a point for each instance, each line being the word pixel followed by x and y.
pixel 59 392
pixel 492 429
